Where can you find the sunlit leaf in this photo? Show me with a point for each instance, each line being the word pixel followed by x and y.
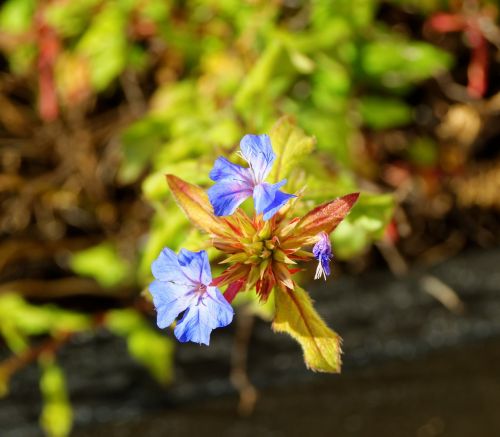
pixel 124 321
pixel 258 78
pixel 139 142
pixel 323 218
pixel 101 262
pixel 36 320
pixel 296 316
pixel 264 310
pixel 57 414
pixel 70 18
pixel 196 171
pixel 153 350
pixel 365 224
pixel 290 144
pixel 150 348
pixel 105 45
pixel 16 15
pixel 396 63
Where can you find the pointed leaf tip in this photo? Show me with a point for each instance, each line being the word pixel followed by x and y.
pixel 194 202
pixel 326 217
pixel 296 316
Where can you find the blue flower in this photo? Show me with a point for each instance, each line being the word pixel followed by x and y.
pixel 234 183
pixel 322 251
pixel 183 284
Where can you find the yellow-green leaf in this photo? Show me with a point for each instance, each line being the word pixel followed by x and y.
pixel 290 144
pixel 101 262
pixel 296 316
pixel 57 415
pixel 154 351
pixel 148 347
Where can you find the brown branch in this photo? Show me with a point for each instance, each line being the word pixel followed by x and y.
pixel 239 356
pixel 65 287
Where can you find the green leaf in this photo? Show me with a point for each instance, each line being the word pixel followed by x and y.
pixel 301 62
pixel 259 77
pixel 365 224
pixel 296 316
pixel 139 143
pixel 70 18
pixel 384 112
pixel 148 347
pixel 16 313
pixel 155 187
pixel 16 15
pixel 104 44
pixel 265 310
pixel 168 228
pixel 124 322
pixel 154 351
pixel 101 262
pixel 57 414
pixel 397 63
pixel 290 144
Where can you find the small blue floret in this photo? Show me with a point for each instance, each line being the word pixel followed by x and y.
pixel 322 251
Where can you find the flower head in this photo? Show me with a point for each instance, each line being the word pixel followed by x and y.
pixel 182 283
pixel 322 251
pixel 261 254
pixel 234 183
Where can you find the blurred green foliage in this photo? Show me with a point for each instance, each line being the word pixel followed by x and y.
pixel 57 415
pixel 221 69
pixel 101 262
pixel 148 346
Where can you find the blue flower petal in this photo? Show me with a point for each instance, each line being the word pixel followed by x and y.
pixel 195 266
pixel 166 268
pixel 227 171
pixel 264 194
pixel 268 199
pixel 258 152
pixel 279 201
pixel 192 326
pixel 225 197
pixel 221 311
pixel 184 287
pixel 213 311
pixel 169 300
pixel 325 263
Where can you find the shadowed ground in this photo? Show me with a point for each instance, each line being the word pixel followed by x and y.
pixel 411 368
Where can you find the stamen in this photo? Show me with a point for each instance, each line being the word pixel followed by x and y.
pixel 320 271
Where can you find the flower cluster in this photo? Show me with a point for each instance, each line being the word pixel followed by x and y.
pixel 262 252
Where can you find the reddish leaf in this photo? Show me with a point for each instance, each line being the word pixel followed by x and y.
pixel 194 202
pixel 323 218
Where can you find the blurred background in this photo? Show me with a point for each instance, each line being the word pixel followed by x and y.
pixel 100 98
